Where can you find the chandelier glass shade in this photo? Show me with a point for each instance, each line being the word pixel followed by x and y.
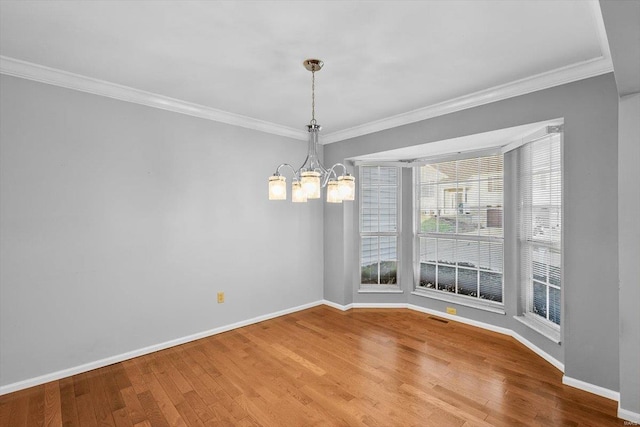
pixel 312 176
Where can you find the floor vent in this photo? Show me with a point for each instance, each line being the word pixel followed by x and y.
pixel 437 319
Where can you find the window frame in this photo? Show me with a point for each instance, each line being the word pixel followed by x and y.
pixel 370 287
pixel 544 325
pixel 454 297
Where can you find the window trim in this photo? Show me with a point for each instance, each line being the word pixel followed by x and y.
pixel 538 324
pixel 377 287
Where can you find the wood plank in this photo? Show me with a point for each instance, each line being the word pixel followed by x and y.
pixel 121 418
pixel 99 400
pixel 135 411
pixel 35 415
pixel 152 410
pixel 19 412
pixel 68 403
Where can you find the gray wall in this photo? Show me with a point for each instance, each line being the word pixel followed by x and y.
pixel 629 226
pixel 120 223
pixel 590 110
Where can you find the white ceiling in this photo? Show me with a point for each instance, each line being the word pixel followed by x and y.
pixel 382 59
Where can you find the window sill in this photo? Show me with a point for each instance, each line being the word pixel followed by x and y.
pixel 380 289
pixel 454 299
pixel 544 330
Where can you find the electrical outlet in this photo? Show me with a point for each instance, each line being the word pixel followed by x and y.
pixel 220 297
pixel 451 310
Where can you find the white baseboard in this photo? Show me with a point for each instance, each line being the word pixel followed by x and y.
pixel 464 320
pixel 591 388
pixel 634 417
pixel 31 382
pixel 537 350
pixel 379 305
pixel 337 306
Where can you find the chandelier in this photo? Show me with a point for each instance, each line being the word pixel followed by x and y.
pixel 309 178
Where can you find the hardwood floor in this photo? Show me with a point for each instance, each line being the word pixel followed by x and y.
pixel 322 367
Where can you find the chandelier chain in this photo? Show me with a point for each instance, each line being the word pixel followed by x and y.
pixel 313 97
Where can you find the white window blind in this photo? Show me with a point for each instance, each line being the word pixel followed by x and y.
pixel 460 234
pixel 379 190
pixel 540 188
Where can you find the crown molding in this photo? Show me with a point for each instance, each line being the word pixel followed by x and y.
pixel 39 73
pixel 568 74
pixel 546 80
pixel 560 76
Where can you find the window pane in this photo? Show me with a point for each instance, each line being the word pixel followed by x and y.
pixel 555 275
pixel 379 191
pixel 556 188
pixel 447 172
pixel 491 286
pixel 388 273
pixel 367 174
pixel 428 250
pixel 369 260
pixel 539 264
pixel 467 253
pixel 541 155
pixel 369 198
pixel 428 194
pixel 469 222
pixel 388 207
pixel 490 207
pixel 540 191
pixel 369 219
pixel 428 222
pixel 388 248
pixel 539 299
pixel 468 282
pixel 491 167
pixel 446 278
pixel 428 275
pixel 388 176
pixel 446 251
pixel 388 260
pixel 491 256
pixel 488 216
pixel 447 224
pixel 554 305
pixel 379 260
pixel 429 174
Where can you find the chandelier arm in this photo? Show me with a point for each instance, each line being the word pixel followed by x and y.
pixel 325 178
pixel 295 173
pixel 344 169
pixel 304 163
pixel 332 171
